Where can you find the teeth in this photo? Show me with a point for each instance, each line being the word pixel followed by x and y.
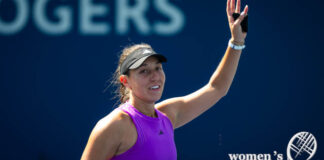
pixel 155 87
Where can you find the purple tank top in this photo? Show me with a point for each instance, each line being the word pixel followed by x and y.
pixel 154 137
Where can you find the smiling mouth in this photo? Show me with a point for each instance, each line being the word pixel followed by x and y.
pixel 155 87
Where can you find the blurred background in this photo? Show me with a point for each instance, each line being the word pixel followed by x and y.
pixel 56 57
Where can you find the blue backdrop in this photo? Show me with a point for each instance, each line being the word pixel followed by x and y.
pixel 56 56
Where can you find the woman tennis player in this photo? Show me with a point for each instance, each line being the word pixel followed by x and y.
pixel 139 129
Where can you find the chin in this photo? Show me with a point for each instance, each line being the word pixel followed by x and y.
pixel 153 99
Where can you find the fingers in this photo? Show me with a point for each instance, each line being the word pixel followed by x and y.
pixel 243 14
pixel 246 10
pixel 232 6
pixel 229 12
pixel 228 6
pixel 238 6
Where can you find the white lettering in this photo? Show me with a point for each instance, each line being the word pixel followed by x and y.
pixel 88 11
pixel 8 28
pixel 63 13
pixel 267 156
pixel 242 157
pixel 260 156
pixel 127 14
pixel 251 156
pixel 175 15
pixel 233 156
pixel 135 13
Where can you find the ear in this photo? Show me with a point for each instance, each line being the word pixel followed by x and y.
pixel 123 80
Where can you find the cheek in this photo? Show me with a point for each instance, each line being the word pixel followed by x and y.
pixel 163 76
pixel 138 83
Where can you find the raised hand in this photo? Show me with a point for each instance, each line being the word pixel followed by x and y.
pixel 235 25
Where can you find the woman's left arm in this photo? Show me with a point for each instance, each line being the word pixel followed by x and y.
pixel 182 110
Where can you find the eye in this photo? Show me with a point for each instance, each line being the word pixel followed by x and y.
pixel 144 71
pixel 158 68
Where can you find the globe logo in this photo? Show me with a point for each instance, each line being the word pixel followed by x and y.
pixel 302 146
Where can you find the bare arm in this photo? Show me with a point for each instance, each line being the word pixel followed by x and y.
pixel 182 110
pixel 105 138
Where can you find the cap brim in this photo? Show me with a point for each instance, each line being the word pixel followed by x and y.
pixel 139 62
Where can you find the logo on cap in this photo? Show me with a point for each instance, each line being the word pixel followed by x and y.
pixel 146 51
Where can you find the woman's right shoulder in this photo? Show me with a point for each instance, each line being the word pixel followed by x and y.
pixel 107 135
pixel 116 120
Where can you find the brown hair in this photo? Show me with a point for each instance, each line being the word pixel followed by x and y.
pixel 122 93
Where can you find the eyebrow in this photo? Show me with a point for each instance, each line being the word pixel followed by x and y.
pixel 145 64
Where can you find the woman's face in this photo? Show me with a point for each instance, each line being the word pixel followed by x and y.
pixel 147 81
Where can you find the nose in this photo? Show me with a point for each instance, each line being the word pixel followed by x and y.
pixel 154 76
